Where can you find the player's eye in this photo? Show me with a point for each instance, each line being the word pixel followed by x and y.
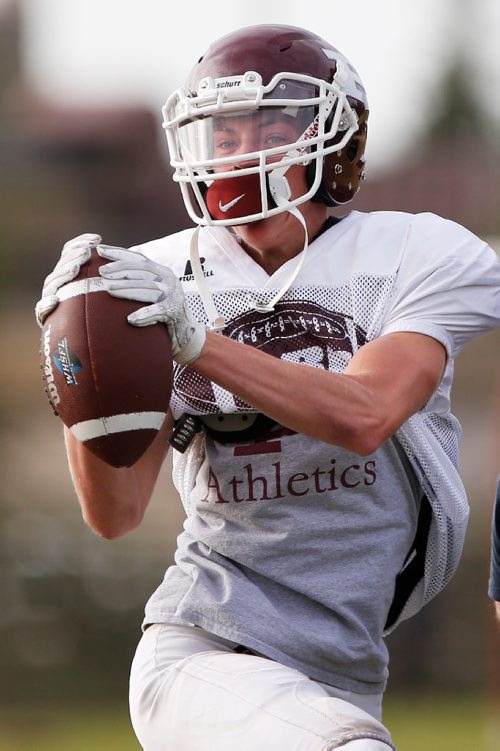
pixel 275 139
pixel 226 145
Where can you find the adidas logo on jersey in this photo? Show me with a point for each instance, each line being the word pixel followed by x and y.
pixel 188 275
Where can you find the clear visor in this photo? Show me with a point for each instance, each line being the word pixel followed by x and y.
pixel 239 138
pixel 228 122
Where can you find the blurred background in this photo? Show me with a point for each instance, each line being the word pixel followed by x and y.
pixel 82 150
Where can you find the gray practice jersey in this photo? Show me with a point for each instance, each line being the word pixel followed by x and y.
pixel 291 547
pixel 295 548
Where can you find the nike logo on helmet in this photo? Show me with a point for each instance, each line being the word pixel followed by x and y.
pixel 226 206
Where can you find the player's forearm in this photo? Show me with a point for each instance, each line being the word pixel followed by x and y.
pixel 328 406
pixel 113 501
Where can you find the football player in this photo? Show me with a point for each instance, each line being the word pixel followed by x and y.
pixel 314 447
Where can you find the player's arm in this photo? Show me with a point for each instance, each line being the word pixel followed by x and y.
pixel 113 501
pixel 387 380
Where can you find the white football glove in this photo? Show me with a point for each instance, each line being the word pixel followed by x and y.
pixel 74 254
pixel 134 277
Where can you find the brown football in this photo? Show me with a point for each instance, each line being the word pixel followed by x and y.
pixel 108 381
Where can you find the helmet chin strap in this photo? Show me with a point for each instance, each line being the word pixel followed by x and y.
pixel 280 191
pixel 216 322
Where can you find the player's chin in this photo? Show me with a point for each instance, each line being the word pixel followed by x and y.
pixel 249 227
pixel 261 226
pixel 261 234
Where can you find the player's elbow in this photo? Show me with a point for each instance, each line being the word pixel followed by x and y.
pixel 370 436
pixel 111 526
pixel 365 443
pixel 106 531
pixel 362 434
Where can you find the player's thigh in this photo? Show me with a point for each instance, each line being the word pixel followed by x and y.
pixel 189 688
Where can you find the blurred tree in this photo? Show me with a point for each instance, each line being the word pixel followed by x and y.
pixel 464 115
pixel 459 118
pixel 453 170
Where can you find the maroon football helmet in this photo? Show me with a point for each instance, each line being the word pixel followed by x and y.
pixel 260 100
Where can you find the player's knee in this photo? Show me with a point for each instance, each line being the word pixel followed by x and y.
pixel 363 744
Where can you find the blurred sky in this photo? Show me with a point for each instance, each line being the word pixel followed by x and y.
pixel 113 51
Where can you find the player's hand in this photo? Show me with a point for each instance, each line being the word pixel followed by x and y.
pixel 74 254
pixel 132 276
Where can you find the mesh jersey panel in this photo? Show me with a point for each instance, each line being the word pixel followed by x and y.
pixel 430 443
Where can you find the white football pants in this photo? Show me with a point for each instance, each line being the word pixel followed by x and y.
pixel 189 691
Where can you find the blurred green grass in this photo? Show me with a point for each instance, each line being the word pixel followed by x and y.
pixel 66 728
pixel 417 724
pixel 437 723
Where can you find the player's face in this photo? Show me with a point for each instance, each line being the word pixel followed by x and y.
pixel 237 135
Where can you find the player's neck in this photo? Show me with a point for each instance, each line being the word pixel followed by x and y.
pixel 274 241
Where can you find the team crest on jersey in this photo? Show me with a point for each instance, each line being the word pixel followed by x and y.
pixel 298 331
